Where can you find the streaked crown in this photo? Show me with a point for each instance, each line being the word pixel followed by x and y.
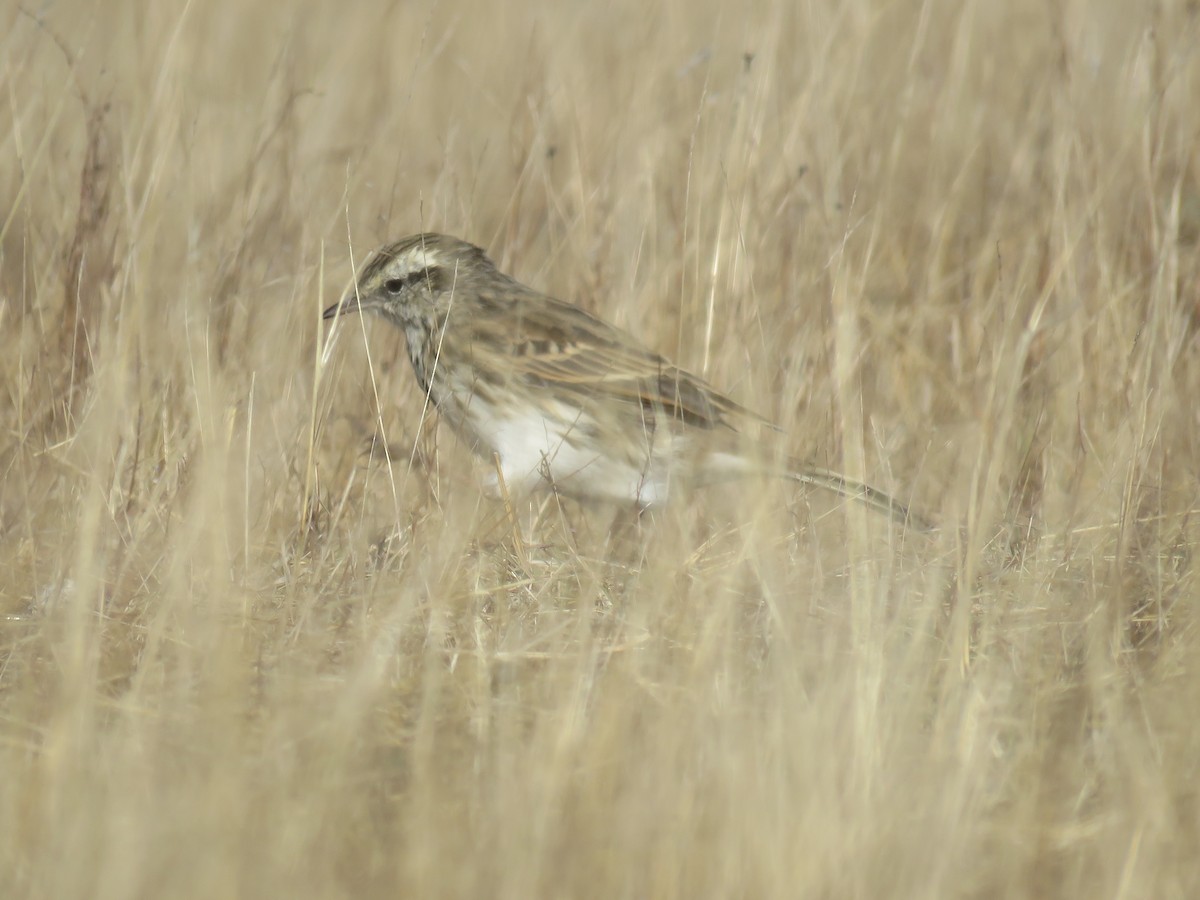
pixel 419 266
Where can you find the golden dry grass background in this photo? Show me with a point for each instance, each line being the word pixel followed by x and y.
pixel 951 248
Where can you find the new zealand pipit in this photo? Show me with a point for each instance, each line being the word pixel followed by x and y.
pixel 558 397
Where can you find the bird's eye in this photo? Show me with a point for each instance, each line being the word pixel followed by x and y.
pixel 394 285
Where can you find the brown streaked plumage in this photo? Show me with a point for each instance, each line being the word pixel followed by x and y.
pixel 562 398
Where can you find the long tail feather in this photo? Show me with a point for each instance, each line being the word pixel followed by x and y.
pixel 862 493
pixel 723 466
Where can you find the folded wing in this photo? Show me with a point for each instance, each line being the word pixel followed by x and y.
pixel 557 345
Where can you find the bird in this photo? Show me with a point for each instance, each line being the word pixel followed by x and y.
pixel 559 399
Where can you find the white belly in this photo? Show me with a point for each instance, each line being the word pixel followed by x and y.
pixel 537 450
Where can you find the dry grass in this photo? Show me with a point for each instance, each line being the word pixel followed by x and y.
pixel 950 247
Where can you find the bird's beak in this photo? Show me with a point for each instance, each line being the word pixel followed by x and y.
pixel 347 304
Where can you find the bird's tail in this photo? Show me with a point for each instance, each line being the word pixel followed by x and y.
pixel 721 466
pixel 855 490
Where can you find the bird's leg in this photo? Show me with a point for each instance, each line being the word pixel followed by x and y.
pixel 627 533
pixel 518 540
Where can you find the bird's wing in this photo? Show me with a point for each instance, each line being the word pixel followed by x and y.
pixel 560 345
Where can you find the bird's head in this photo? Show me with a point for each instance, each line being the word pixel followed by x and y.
pixel 411 280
